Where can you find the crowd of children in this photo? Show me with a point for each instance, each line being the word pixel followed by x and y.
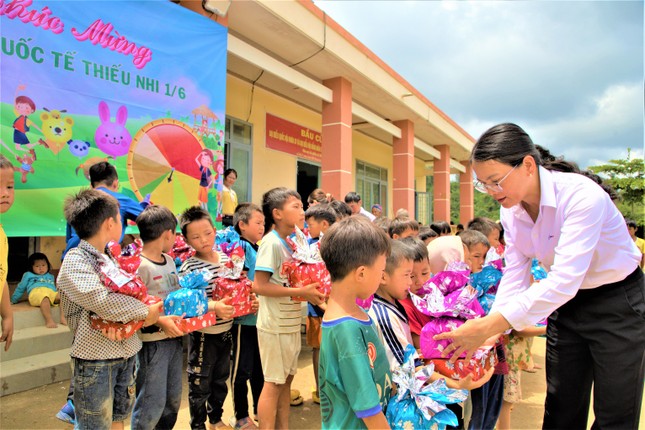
pixel 354 350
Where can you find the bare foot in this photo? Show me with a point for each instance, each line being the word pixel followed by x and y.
pixel 63 321
pixel 50 324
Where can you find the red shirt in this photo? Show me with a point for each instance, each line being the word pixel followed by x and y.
pixel 416 319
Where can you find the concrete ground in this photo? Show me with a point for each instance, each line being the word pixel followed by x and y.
pixel 36 409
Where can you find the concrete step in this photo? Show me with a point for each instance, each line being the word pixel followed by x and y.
pixel 36 340
pixel 25 316
pixel 37 370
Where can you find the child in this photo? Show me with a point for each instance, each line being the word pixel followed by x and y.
pixel 40 287
pixel 426 234
pixel 354 374
pixel 478 246
pixel 492 231
pixel 209 349
pixel 248 220
pixel 319 218
pixel 6 200
pixel 159 376
pixel 632 227
pixel 401 228
pixel 103 368
pixel 386 312
pixel 279 316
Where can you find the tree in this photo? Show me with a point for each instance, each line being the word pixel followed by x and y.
pixel 627 177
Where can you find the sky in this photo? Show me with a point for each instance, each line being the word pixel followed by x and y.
pixel 570 73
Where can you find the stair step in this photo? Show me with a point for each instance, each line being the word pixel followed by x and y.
pixel 36 340
pixel 25 316
pixel 34 371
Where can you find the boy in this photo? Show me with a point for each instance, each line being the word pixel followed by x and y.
pixel 426 234
pixel 6 200
pixel 248 220
pixel 632 227
pixel 478 246
pixel 159 377
pixel 354 375
pixel 103 368
pixel 387 313
pixel 209 349
pixel 401 228
pixel 491 230
pixel 319 218
pixel 279 316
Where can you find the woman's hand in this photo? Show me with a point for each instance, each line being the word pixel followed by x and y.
pixel 471 335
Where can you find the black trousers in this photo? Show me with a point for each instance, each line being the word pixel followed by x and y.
pixel 598 338
pixel 245 367
pixel 209 358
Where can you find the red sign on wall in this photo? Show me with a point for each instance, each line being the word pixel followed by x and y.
pixel 293 139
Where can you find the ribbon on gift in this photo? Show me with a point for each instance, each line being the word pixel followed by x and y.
pixel 128 257
pixel 233 268
pixel 302 250
pixel 181 251
pixel 537 271
pixel 461 303
pixel 227 235
pixel 486 283
pixel 307 266
pixel 419 404
pixel 190 300
pixel 454 277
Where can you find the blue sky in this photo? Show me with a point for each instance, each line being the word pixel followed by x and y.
pixel 570 73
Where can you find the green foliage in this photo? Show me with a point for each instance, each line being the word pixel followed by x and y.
pixel 627 177
pixel 485 205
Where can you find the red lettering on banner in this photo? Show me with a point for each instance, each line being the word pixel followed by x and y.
pixel 42 19
pixel 99 33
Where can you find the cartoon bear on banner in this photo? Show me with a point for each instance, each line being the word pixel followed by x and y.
pixel 57 129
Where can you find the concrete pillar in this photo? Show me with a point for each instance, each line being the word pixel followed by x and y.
pixel 466 195
pixel 337 168
pixel 441 176
pixel 403 162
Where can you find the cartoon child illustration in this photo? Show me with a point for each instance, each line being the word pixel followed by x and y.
pixel 23 107
pixel 204 161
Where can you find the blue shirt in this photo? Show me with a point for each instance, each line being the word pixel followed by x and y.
pixel 30 281
pixel 250 255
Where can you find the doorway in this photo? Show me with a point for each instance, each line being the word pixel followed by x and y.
pixel 308 179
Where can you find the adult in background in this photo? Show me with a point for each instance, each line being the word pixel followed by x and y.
pixel 318 196
pixel 593 294
pixel 355 203
pixel 229 197
pixel 377 210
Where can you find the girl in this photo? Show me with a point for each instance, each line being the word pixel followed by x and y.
pixel 40 287
pixel 593 295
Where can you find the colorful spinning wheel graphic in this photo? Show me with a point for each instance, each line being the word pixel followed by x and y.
pixel 161 162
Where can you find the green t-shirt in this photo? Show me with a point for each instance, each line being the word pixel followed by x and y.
pixel 354 373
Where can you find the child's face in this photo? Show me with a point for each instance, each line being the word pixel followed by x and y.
pixel 493 238
pixel 373 277
pixel 24 109
pixel 254 230
pixel 6 189
pixel 420 275
pixel 292 213
pixel 40 267
pixel 315 227
pixel 200 235
pixel 476 257
pixel 632 230
pixel 398 283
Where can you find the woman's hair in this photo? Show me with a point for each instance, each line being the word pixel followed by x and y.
pixel 228 172
pixel 508 144
pixel 319 196
pixel 37 256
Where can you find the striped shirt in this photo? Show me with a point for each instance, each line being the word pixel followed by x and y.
pixel 276 314
pixel 392 327
pixel 83 293
pixel 194 263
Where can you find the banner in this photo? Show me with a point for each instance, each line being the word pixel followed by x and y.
pixel 141 85
pixel 293 139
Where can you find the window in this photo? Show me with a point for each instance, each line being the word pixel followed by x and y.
pixel 371 185
pixel 238 155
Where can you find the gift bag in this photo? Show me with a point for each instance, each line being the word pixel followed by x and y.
pixel 481 362
pixel 190 300
pixel 307 266
pixel 181 251
pixel 232 282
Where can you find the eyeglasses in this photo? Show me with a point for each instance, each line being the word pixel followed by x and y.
pixel 496 187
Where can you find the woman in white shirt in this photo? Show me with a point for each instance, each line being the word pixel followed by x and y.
pixel 594 294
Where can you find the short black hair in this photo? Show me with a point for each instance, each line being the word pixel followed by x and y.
pixel 399 225
pixel 192 214
pixel 400 252
pixel 102 173
pixel 426 232
pixel 154 221
pixel 321 212
pixel 483 225
pixel 351 243
pixel 419 248
pixel 341 209
pixel 275 198
pixel 37 256
pixel 441 227
pixel 631 223
pixel 472 237
pixel 352 197
pixel 243 213
pixel 229 171
pixel 88 209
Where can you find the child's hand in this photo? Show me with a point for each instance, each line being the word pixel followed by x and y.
pixel 255 303
pixel 7 332
pixel 153 314
pixel 168 325
pixel 311 294
pixel 112 333
pixel 467 383
pixel 222 308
